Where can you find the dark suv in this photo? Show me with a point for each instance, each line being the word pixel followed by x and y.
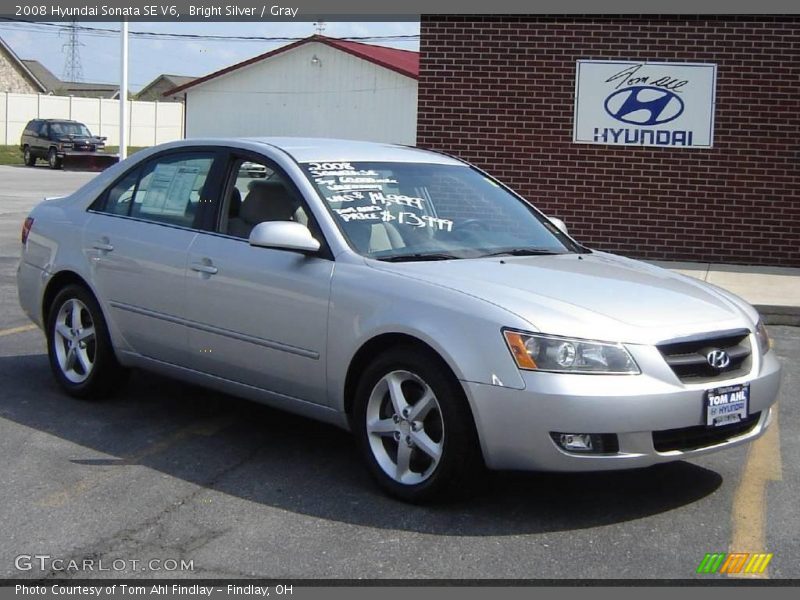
pixel 53 139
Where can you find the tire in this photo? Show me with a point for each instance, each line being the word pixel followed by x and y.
pixel 28 157
pixel 81 355
pixel 434 456
pixel 52 159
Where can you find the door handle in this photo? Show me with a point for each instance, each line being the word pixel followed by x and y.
pixel 204 268
pixel 102 245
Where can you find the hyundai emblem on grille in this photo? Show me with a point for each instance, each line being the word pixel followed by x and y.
pixel 718 359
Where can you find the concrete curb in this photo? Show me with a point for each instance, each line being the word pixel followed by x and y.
pixel 779 315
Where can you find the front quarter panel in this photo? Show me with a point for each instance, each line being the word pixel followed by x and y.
pixel 465 331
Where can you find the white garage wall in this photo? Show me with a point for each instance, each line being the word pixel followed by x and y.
pixel 344 96
pixel 149 122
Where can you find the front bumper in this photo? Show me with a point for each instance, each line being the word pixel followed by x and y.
pixel 514 426
pixel 87 160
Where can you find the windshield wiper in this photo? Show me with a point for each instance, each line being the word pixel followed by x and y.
pixel 418 256
pixel 521 252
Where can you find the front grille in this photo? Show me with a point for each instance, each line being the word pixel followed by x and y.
pixel 700 436
pixel 688 358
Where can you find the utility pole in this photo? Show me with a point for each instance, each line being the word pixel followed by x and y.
pixel 123 91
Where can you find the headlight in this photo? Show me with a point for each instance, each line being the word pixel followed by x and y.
pixel 763 337
pixel 540 352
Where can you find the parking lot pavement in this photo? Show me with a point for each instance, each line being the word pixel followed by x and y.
pixel 170 471
pixel 20 189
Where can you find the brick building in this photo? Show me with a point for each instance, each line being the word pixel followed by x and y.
pixel 15 77
pixel 499 91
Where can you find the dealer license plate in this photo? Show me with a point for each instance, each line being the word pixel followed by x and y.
pixel 727 405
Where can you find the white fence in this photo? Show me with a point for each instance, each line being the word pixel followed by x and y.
pixel 149 123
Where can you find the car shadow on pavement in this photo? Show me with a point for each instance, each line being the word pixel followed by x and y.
pixel 269 457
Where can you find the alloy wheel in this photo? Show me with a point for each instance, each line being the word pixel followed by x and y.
pixel 404 427
pixel 75 341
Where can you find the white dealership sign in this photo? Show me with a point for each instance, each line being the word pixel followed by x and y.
pixel 644 104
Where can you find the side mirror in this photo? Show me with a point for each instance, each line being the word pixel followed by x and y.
pixel 283 235
pixel 560 224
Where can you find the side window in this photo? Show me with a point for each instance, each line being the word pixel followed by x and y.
pixel 166 190
pixel 43 129
pixel 256 194
pixel 170 188
pixel 119 199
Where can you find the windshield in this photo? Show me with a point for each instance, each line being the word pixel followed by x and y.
pixel 73 129
pixel 420 211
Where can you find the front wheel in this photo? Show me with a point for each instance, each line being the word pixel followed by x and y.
pixel 79 346
pixel 414 427
pixel 52 159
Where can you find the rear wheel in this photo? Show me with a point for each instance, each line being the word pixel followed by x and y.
pixel 81 355
pixel 30 159
pixel 414 427
pixel 52 159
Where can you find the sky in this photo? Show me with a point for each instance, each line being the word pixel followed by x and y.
pixel 149 58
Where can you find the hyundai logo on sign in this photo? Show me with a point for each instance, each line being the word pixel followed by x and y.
pixel 635 103
pixel 644 105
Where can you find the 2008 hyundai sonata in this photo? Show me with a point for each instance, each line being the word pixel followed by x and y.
pixel 397 292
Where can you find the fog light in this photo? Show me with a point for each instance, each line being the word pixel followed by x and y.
pixel 586 443
pixel 580 442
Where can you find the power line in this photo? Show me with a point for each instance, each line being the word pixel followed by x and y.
pixel 102 31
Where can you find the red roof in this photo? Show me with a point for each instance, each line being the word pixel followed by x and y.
pixel 405 62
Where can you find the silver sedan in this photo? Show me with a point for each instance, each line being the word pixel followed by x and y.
pixel 400 293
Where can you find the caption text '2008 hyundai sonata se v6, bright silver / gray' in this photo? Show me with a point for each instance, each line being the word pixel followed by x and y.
pixel 400 293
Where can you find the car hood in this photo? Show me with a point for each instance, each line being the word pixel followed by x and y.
pixel 597 295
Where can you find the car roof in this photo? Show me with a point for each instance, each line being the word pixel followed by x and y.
pixel 306 149
pixel 54 121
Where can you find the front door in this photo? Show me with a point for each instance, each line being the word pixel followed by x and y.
pixel 259 315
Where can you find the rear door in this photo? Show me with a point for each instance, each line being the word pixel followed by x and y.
pixel 259 316
pixel 41 141
pixel 137 242
pixel 29 134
